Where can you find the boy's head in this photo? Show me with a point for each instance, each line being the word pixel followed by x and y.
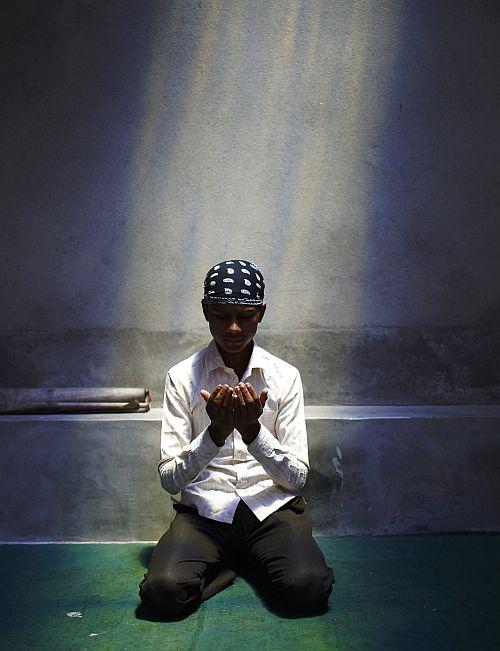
pixel 233 303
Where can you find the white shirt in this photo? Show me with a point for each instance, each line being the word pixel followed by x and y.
pixel 265 474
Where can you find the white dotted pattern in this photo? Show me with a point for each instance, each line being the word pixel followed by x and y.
pixel 242 275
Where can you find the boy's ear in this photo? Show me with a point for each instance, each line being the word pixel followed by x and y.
pixel 262 311
pixel 205 311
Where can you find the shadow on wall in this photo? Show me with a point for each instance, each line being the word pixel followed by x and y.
pixel 429 243
pixel 76 75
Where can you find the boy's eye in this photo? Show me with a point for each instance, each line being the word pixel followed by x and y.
pixel 242 316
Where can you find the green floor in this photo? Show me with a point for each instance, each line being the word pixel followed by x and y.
pixel 399 592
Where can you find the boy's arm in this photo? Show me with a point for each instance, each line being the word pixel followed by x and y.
pixel 182 458
pixel 284 456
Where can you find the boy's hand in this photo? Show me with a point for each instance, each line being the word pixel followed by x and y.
pixel 220 411
pixel 248 407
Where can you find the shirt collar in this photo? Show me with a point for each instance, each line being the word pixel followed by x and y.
pixel 213 359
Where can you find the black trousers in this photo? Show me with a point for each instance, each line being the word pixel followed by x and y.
pixel 280 549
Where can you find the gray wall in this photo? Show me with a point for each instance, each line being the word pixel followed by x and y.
pixel 352 149
pixel 81 480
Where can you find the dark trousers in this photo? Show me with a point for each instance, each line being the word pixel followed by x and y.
pixel 280 549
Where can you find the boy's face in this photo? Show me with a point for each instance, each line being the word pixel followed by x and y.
pixel 233 326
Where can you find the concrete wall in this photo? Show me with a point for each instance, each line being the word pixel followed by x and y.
pixel 80 480
pixel 352 149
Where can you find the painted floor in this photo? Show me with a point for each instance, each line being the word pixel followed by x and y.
pixel 433 592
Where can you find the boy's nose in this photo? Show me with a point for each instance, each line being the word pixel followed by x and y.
pixel 234 328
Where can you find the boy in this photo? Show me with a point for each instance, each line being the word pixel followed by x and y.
pixel 234 445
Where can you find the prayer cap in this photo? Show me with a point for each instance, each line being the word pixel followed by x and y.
pixel 234 281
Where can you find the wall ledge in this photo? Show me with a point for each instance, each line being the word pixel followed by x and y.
pixel 313 412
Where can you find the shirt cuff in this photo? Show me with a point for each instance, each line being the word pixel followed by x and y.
pixel 204 447
pixel 264 444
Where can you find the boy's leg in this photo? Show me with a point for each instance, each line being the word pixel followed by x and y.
pixel 187 557
pixel 285 553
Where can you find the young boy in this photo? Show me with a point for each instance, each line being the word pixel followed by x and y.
pixel 234 445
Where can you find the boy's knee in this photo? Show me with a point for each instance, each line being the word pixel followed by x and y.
pixel 306 589
pixel 170 595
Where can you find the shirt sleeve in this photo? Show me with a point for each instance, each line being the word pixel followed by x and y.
pixel 284 455
pixel 182 458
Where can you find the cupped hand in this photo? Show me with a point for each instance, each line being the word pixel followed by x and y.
pixel 248 408
pixel 220 411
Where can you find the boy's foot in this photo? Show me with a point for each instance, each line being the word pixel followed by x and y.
pixel 220 582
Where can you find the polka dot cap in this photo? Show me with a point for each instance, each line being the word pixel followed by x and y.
pixel 234 281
